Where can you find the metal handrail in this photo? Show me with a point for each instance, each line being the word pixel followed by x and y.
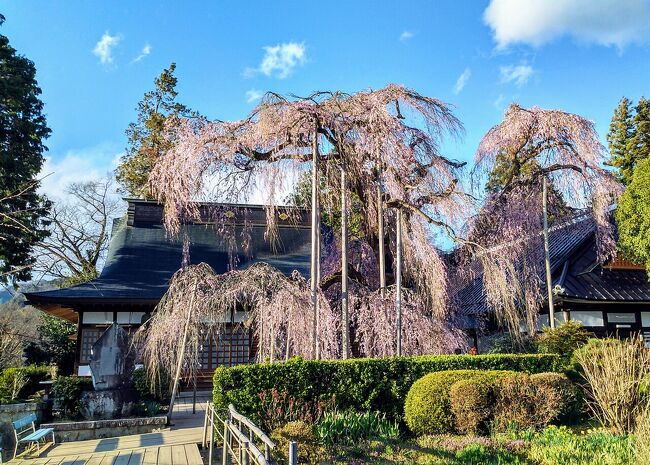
pixel 237 444
pixel 252 427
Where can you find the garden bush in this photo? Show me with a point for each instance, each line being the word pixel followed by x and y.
pixel 142 384
pixel 373 384
pixel 472 404
pixel 569 410
pixel 532 402
pixel 66 392
pixel 428 408
pixel 615 372
pixel 20 383
pixel 309 449
pixel 563 340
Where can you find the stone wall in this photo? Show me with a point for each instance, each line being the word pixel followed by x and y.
pixel 100 429
pixel 12 412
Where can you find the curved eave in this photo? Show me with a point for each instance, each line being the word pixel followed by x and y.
pixel 586 300
pixel 67 307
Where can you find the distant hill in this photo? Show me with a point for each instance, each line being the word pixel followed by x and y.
pixel 5 296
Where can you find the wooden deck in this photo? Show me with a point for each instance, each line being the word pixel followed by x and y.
pixel 175 446
pixel 181 454
pixel 123 443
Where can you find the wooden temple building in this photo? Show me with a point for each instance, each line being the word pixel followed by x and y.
pixel 142 258
pixel 613 299
pixel 610 300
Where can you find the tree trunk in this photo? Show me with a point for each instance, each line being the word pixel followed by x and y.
pixel 314 243
pixel 547 260
pixel 381 236
pixel 344 268
pixel 398 282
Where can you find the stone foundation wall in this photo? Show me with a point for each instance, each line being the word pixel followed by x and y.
pixel 100 429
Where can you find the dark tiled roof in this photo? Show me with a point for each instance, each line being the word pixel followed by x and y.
pixel 573 247
pixel 585 280
pixel 563 241
pixel 142 259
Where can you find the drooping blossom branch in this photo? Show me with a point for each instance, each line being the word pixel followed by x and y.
pixel 531 145
pixel 386 140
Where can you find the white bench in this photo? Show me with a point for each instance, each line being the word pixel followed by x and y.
pixel 25 432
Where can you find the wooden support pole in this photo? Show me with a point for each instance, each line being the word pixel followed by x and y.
pixel 314 242
pixel 181 356
pixel 398 282
pixel 318 273
pixel 547 260
pixel 381 236
pixel 345 315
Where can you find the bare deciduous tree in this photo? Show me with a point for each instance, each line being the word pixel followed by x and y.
pixel 79 232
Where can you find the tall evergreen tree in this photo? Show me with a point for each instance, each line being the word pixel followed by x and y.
pixel 629 137
pixel 23 129
pixel 619 137
pixel 147 135
pixel 633 216
pixel 640 140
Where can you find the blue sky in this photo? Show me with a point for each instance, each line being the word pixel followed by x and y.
pixel 96 59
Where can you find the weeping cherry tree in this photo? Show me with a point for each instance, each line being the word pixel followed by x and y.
pixel 528 151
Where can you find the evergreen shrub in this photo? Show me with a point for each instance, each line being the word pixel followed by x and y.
pixel 472 404
pixel 428 405
pixel 372 384
pixel 66 392
pixel 532 402
pixel 20 383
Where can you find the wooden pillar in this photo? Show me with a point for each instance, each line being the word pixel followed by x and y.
pixel 314 242
pixel 398 282
pixel 345 316
pixel 381 236
pixel 547 260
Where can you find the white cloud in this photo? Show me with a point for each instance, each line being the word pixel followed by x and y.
pixel 146 50
pixel 462 81
pixel 498 102
pixel 535 22
pixel 253 95
pixel 280 60
pixel 104 48
pixel 406 35
pixel 77 166
pixel 519 74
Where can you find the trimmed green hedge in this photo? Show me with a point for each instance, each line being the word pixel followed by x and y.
pixel 372 384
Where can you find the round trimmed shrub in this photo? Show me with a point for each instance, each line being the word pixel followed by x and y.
pixel 532 402
pixel 569 400
pixel 428 408
pixel 472 403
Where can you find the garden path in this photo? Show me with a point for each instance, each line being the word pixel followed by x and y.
pixel 176 445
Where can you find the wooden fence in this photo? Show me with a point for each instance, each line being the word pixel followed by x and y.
pixel 242 442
